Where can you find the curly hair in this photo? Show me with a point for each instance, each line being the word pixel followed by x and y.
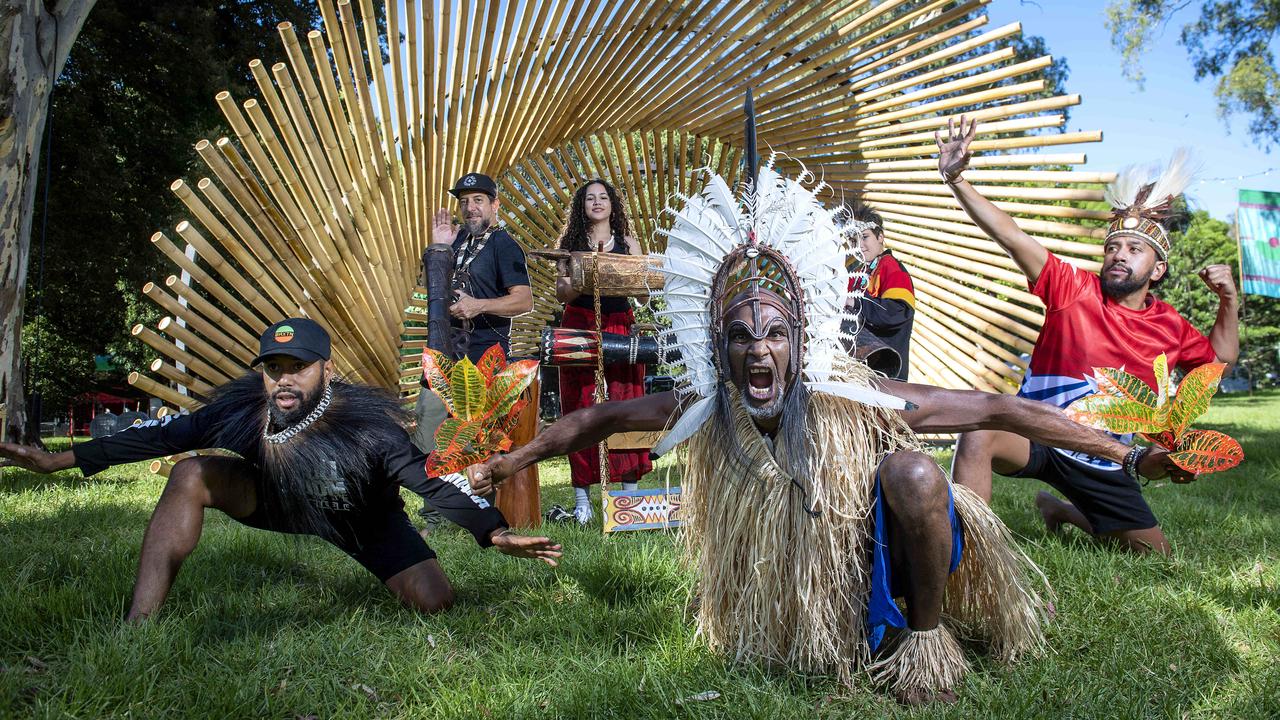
pixel 577 227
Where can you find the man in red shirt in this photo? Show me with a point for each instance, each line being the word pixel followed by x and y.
pixel 887 307
pixel 1107 320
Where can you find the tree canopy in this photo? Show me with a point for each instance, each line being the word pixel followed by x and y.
pixel 1231 42
pixel 1207 241
pixel 136 93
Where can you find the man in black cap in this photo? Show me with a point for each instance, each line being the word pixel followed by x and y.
pixel 490 286
pixel 491 281
pixel 318 456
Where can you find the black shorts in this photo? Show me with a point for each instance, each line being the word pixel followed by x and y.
pixel 1108 499
pixel 380 538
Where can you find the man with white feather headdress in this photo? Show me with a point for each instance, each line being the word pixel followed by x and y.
pixel 809 506
pixel 1109 320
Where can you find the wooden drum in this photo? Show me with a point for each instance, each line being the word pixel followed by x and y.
pixel 619 275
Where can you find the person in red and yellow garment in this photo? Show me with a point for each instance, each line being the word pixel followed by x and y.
pixel 887 307
pixel 598 221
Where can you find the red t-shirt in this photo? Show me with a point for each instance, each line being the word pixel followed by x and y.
pixel 1084 329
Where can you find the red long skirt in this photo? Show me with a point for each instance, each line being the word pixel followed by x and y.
pixel 577 390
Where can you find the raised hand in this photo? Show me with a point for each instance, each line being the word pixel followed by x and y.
pixel 34 459
pixel 953 153
pixel 1219 280
pixel 523 546
pixel 442 227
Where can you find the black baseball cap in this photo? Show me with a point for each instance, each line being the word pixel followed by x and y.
pixel 475 182
pixel 296 337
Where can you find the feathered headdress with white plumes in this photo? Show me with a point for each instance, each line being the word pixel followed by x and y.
pixel 1143 199
pixel 780 220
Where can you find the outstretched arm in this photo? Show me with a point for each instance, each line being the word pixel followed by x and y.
pixel 952 411
pixel 575 431
pixel 29 457
pixel 953 159
pixel 152 439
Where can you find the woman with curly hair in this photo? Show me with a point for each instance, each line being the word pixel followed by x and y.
pixel 598 221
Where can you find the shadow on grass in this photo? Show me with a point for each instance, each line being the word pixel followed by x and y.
pixel 17 480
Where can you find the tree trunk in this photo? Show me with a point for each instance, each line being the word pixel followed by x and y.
pixel 35 39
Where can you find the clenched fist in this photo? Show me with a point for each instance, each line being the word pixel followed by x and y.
pixel 1219 280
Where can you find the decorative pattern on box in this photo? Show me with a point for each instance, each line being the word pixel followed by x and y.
pixel 646 509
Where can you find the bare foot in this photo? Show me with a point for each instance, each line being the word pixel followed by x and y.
pixel 920 696
pixel 1048 506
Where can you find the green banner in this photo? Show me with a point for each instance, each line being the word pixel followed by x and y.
pixel 1259 221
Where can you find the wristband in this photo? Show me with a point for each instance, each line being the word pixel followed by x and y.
pixel 955 180
pixel 1131 460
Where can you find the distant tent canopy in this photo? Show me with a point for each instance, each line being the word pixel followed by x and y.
pixel 321 203
pixel 85 408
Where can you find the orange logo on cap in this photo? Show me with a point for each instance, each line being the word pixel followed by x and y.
pixel 284 334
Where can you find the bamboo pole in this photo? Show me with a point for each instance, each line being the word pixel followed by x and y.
pixel 163 392
pixel 174 375
pixel 201 368
pixel 201 347
pixel 202 326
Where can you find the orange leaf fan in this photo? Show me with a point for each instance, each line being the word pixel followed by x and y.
pixel 484 404
pixel 1125 404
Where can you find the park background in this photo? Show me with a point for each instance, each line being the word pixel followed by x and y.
pixel 267 626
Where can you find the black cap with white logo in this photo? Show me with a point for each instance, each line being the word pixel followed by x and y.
pixel 475 182
pixel 296 337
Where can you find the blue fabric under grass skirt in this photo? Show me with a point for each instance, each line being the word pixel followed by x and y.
pixel 882 611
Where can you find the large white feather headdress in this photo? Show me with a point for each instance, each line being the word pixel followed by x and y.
pixel 778 217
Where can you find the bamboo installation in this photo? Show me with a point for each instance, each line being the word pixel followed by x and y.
pixel 319 201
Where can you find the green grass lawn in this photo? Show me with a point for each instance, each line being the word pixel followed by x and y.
pixel 261 625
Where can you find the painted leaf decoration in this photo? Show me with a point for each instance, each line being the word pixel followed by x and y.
pixel 468 391
pixel 1164 439
pixel 442 464
pixel 1117 413
pixel 1118 382
pixel 1207 451
pixel 492 362
pixel 509 384
pixel 436 367
pixel 1160 369
pixel 507 423
pixel 1194 394
pixel 457 442
pixel 454 433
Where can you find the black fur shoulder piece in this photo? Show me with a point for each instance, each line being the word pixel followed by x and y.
pixel 327 465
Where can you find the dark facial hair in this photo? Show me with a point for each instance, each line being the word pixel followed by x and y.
pixel 281 419
pixel 476 227
pixel 1116 289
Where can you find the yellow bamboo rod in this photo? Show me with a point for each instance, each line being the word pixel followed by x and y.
pixel 201 347
pixel 174 375
pixel 201 368
pixel 163 392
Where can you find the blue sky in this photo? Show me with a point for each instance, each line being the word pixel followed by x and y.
pixel 1144 125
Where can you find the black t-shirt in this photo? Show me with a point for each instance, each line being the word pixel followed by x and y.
pixel 496 268
pixel 399 464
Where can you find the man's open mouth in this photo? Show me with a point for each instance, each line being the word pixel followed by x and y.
pixel 286 401
pixel 760 383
